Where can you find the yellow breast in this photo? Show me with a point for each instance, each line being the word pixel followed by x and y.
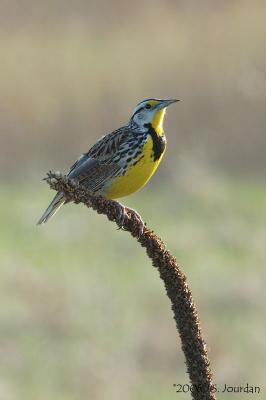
pixel 136 176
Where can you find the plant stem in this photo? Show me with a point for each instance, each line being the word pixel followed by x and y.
pixel 183 306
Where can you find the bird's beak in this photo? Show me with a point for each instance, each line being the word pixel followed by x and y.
pixel 166 103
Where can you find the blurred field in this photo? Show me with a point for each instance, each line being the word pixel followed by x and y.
pixel 83 314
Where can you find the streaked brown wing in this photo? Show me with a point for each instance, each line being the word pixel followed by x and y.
pixel 92 173
pixel 109 145
pixel 101 162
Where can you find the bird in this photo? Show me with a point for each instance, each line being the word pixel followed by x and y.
pixel 123 161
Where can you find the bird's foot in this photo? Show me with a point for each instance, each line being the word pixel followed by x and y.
pixel 139 219
pixel 124 213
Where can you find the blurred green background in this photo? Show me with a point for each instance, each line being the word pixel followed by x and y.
pixel 83 314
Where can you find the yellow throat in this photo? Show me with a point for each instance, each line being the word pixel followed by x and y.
pixel 157 122
pixel 138 174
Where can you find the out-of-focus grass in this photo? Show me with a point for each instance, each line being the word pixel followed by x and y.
pixel 84 315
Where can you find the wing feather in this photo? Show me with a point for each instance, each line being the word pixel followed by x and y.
pixel 109 145
pixel 101 162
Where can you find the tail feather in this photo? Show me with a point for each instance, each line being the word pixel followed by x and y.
pixel 53 207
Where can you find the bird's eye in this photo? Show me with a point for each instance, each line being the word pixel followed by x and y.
pixel 147 106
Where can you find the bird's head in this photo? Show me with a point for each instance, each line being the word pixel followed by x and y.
pixel 151 111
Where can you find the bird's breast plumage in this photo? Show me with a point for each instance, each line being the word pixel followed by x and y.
pixel 121 162
pixel 138 164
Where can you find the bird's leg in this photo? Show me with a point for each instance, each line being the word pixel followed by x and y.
pixel 138 217
pixel 124 213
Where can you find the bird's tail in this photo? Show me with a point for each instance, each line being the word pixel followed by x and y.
pixel 53 207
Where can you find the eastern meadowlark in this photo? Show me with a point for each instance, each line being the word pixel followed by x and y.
pixel 122 161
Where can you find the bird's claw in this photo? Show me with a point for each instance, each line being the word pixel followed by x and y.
pixel 122 216
pixel 124 213
pixel 139 219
